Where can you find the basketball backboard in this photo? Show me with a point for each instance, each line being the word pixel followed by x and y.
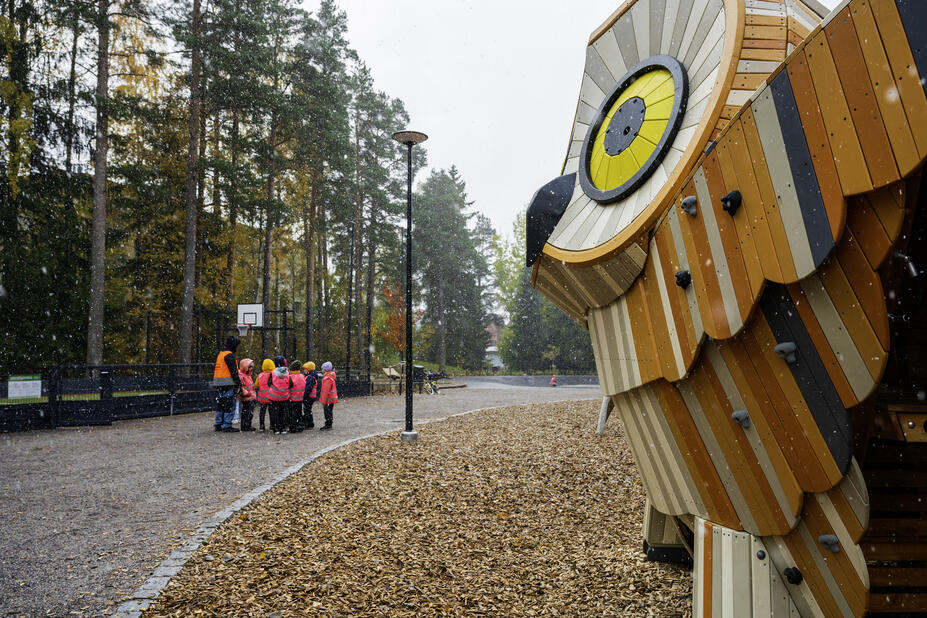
pixel 251 314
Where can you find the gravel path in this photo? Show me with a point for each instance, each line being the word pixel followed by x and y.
pixel 88 513
pixel 516 511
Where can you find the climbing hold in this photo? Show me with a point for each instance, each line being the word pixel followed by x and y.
pixel 690 205
pixel 786 351
pixel 731 202
pixel 683 278
pixel 831 542
pixel 793 575
pixel 742 418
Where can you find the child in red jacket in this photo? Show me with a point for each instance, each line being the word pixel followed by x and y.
pixel 297 396
pixel 247 395
pixel 329 395
pixel 263 388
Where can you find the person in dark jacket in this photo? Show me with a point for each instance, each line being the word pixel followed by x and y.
pixel 312 392
pixel 227 384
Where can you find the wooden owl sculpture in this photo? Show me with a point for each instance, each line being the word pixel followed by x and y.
pixel 737 225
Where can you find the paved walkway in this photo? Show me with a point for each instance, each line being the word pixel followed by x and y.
pixel 88 513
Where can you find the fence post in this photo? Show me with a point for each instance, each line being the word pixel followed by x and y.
pixel 284 334
pixel 106 392
pixel 172 385
pixel 54 391
pixel 147 335
pixel 218 329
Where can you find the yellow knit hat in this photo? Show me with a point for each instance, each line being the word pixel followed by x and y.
pixel 267 366
pixel 309 366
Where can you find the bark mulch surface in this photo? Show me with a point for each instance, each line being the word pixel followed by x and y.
pixel 513 511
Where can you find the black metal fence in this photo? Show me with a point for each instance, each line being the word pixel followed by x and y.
pixel 83 395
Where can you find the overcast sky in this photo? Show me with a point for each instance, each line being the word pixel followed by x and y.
pixel 494 84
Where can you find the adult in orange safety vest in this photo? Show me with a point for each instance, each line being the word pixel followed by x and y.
pixel 225 380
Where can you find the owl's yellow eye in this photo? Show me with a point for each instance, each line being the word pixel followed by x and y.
pixel 633 128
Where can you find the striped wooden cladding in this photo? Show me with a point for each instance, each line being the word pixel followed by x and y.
pixel 659 458
pixel 739 574
pixel 659 529
pixel 799 440
pixel 576 289
pixel 731 580
pixel 651 332
pixel 834 584
pixel 793 208
pixel 672 456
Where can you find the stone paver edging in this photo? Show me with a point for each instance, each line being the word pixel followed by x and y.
pixel 159 578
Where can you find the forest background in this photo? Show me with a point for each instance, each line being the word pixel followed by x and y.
pixel 164 161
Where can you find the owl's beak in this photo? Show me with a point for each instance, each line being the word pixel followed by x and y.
pixel 547 206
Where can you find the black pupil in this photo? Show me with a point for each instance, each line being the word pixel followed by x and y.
pixel 624 126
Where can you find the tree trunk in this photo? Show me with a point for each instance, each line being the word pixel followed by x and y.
pixel 277 300
pixel 356 246
pixel 200 201
pixel 232 196
pixel 442 330
pixel 72 98
pixel 323 250
pixel 309 240
pixel 269 224
pixel 98 226
pixel 216 180
pixel 371 275
pixel 358 260
pixel 193 176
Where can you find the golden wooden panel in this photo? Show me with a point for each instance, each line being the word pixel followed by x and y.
pixel 864 109
pixel 701 266
pixel 856 322
pixel 763 54
pixel 743 223
pixel 676 296
pixel 888 205
pixel 867 228
pixel 895 40
pixel 718 505
pixel 885 90
pixel 746 289
pixel 767 193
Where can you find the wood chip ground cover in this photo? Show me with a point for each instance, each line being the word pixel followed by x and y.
pixel 514 511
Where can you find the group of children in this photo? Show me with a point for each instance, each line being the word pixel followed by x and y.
pixel 287 394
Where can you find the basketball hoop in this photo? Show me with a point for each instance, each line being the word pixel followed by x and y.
pixel 242 329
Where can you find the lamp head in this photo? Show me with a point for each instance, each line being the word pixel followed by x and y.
pixel 409 138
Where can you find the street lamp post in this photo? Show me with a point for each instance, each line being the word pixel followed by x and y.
pixel 409 138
